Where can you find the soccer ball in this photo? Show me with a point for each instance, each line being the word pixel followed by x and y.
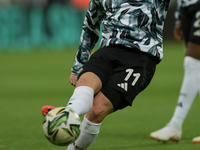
pixel 61 126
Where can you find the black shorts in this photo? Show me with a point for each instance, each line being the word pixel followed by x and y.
pixel 190 20
pixel 124 73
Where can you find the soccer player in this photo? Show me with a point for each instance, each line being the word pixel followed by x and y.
pixel 123 66
pixel 187 27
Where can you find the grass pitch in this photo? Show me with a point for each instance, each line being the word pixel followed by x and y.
pixel 30 80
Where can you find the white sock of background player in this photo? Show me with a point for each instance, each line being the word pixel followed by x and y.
pixel 189 89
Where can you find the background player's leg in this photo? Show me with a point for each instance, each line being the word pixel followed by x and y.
pixel 189 89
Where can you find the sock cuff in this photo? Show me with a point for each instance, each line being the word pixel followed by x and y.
pixel 85 88
pixel 90 127
pixel 81 100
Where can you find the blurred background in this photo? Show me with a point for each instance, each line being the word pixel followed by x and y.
pixel 26 24
pixel 32 24
pixel 38 43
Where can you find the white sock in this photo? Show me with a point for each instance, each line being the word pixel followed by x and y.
pixel 89 132
pixel 82 100
pixel 189 89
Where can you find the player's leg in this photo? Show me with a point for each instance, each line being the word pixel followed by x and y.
pixel 191 82
pixel 194 51
pixel 189 89
pixel 87 86
pixel 190 86
pixel 101 108
pixel 94 75
pixel 92 121
pixel 101 105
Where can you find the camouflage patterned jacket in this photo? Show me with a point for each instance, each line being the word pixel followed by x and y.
pixel 132 23
pixel 181 4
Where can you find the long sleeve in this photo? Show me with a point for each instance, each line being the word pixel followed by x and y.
pixel 89 35
pixel 177 12
pixel 129 23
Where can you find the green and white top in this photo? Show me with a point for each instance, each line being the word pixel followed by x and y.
pixel 136 24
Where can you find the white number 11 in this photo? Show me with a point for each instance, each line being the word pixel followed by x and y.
pixel 136 75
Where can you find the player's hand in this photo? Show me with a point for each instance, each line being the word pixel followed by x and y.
pixel 178 33
pixel 73 79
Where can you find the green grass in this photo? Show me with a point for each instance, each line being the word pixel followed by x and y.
pixel 30 80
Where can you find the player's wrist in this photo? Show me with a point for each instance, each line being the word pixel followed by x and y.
pixel 74 73
pixel 177 22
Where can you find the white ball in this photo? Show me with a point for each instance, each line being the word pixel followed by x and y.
pixel 61 126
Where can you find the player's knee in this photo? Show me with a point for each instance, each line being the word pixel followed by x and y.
pixel 98 113
pixel 81 82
